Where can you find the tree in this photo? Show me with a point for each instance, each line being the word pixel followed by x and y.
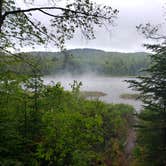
pixel 21 27
pixel 21 114
pixel 152 120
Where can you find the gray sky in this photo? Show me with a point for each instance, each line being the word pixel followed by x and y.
pixel 123 36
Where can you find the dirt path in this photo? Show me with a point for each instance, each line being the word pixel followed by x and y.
pixel 130 144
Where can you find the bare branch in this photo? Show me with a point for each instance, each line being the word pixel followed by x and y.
pixel 50 8
pixel 151 32
pixel 158 38
pixel 35 26
pixel 51 15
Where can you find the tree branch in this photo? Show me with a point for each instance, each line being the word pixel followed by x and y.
pixel 35 26
pixel 1 18
pixel 157 38
pixel 50 8
pixel 51 15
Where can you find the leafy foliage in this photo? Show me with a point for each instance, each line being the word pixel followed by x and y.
pixel 20 27
pixel 45 125
pixel 152 131
pixel 50 126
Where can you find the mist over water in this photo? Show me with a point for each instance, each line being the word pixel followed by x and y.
pixel 112 86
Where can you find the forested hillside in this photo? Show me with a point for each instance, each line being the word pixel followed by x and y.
pixel 80 61
pixel 43 123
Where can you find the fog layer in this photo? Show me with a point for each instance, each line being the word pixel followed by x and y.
pixel 112 86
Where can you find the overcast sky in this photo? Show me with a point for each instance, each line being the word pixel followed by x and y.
pixel 123 36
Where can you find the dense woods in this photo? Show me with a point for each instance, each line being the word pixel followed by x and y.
pixel 152 120
pixel 44 125
pixel 82 61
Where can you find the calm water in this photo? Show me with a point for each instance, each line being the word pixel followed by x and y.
pixel 112 86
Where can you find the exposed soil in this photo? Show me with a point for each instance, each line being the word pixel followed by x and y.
pixel 130 144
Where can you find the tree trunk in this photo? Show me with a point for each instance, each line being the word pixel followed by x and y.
pixel 1 19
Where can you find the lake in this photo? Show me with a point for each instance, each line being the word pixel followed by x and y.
pixel 112 86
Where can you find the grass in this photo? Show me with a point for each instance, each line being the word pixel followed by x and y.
pixel 92 94
pixel 134 96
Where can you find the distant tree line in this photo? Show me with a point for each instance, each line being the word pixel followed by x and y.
pixel 86 61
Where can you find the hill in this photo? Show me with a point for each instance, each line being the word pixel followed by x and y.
pixel 80 61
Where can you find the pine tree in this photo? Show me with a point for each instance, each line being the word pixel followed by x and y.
pixel 152 120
